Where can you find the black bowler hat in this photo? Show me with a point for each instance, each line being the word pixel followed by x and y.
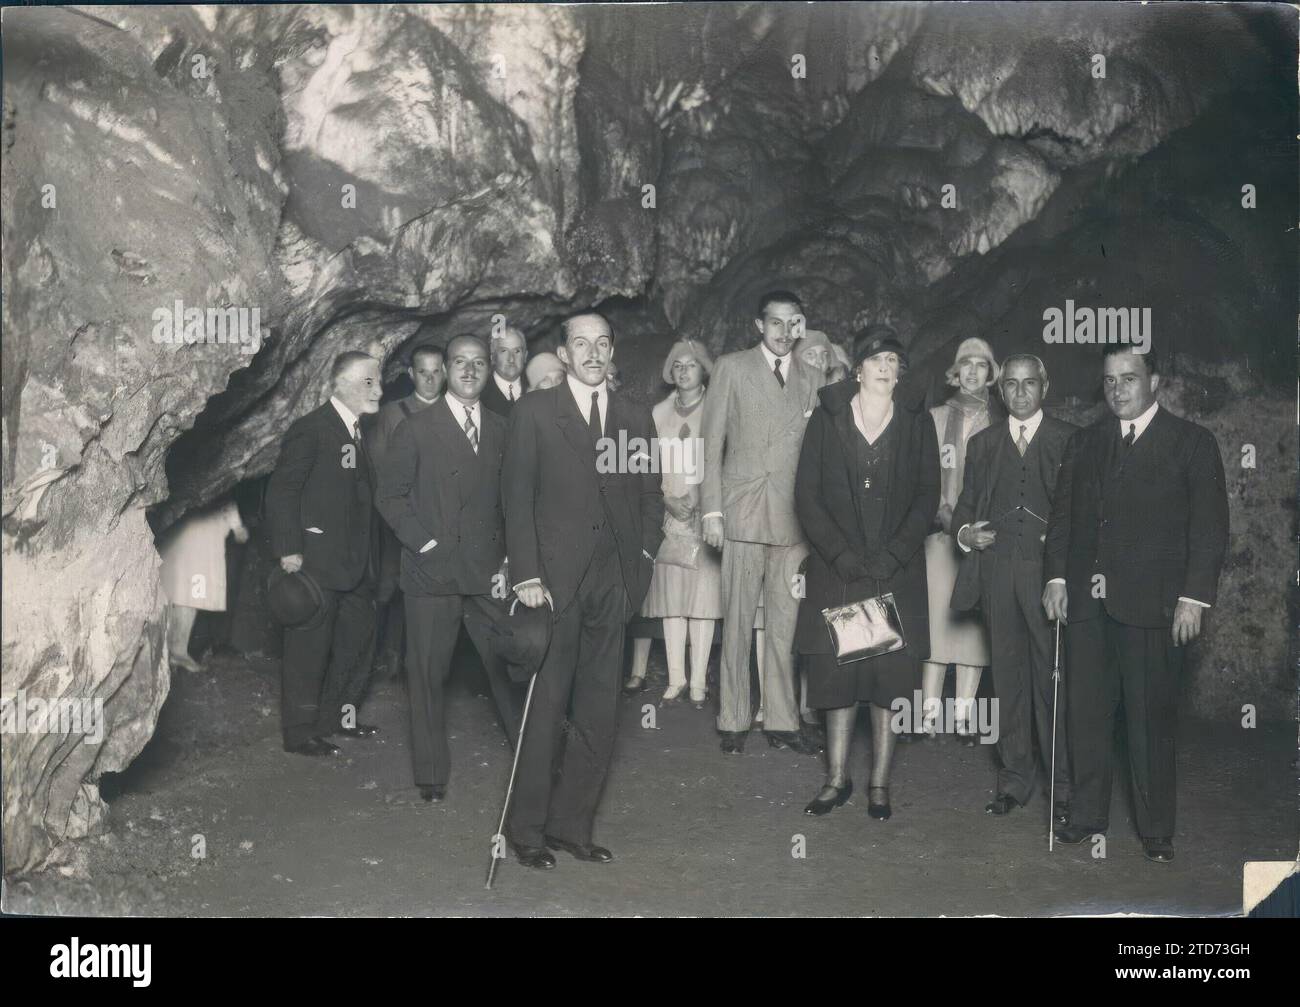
pixel 875 339
pixel 523 637
pixel 295 599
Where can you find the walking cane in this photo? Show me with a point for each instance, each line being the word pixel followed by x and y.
pixel 510 788
pixel 1056 684
pixel 514 767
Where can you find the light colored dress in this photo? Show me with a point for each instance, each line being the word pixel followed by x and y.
pixel 676 591
pixel 955 638
pixel 194 558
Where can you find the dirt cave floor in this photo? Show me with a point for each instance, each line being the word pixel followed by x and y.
pixel 215 819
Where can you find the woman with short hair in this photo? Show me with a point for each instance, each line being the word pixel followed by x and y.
pixel 956 638
pixel 687 598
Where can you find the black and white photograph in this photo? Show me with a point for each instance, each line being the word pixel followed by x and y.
pixel 742 460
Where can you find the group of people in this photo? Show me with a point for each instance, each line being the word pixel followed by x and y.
pixel 815 483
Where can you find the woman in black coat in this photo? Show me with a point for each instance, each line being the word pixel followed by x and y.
pixel 866 491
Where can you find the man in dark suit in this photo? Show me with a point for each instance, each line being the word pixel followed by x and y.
pixel 583 524
pixel 440 491
pixel 1135 544
pixel 1001 518
pixel 427 372
pixel 509 354
pixel 320 511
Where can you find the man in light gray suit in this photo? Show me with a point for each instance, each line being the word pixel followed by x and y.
pixel 758 404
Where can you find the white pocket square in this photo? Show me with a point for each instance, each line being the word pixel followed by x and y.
pixel 315 531
pixel 429 545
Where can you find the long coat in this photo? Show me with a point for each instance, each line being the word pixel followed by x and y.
pixel 555 499
pixel 825 501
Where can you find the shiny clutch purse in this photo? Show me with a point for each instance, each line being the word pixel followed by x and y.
pixel 866 628
pixel 680 549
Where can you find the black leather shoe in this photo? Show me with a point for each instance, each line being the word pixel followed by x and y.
pixel 1159 850
pixel 589 853
pixel 878 810
pixel 634 685
pixel 817 806
pixel 534 856
pixel 793 740
pixel 1003 804
pixel 1073 835
pixel 733 742
pixel 434 793
pixel 1060 814
pixel 360 731
pixel 313 746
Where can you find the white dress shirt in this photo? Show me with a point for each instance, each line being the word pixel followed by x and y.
pixel 772 358
pixel 350 419
pixel 582 396
pixel 1139 426
pixel 1031 426
pixel 517 386
pixel 459 411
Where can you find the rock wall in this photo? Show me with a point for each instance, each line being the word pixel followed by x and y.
pixel 373 176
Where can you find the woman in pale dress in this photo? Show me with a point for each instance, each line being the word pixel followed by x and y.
pixel 689 601
pixel 955 638
pixel 194 572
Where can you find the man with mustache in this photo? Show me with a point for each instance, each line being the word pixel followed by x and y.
pixel 440 490
pixel 1135 544
pixel 758 405
pixel 319 505
pixel 1001 520
pixel 582 540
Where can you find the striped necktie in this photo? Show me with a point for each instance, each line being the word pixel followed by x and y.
pixel 471 431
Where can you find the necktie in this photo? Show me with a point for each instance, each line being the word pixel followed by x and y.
pixel 777 371
pixel 471 431
pixel 1131 435
pixel 356 431
pixel 511 390
pixel 1022 445
pixel 593 418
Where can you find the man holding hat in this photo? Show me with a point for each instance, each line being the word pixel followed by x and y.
pixel 440 491
pixel 581 540
pixel 320 511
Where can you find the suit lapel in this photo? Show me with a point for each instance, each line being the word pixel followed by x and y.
pixel 573 426
pixel 340 428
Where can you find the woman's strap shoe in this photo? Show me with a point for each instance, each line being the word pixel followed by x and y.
pixel 818 806
pixel 879 810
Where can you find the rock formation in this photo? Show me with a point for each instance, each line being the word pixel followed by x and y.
pixel 364 176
